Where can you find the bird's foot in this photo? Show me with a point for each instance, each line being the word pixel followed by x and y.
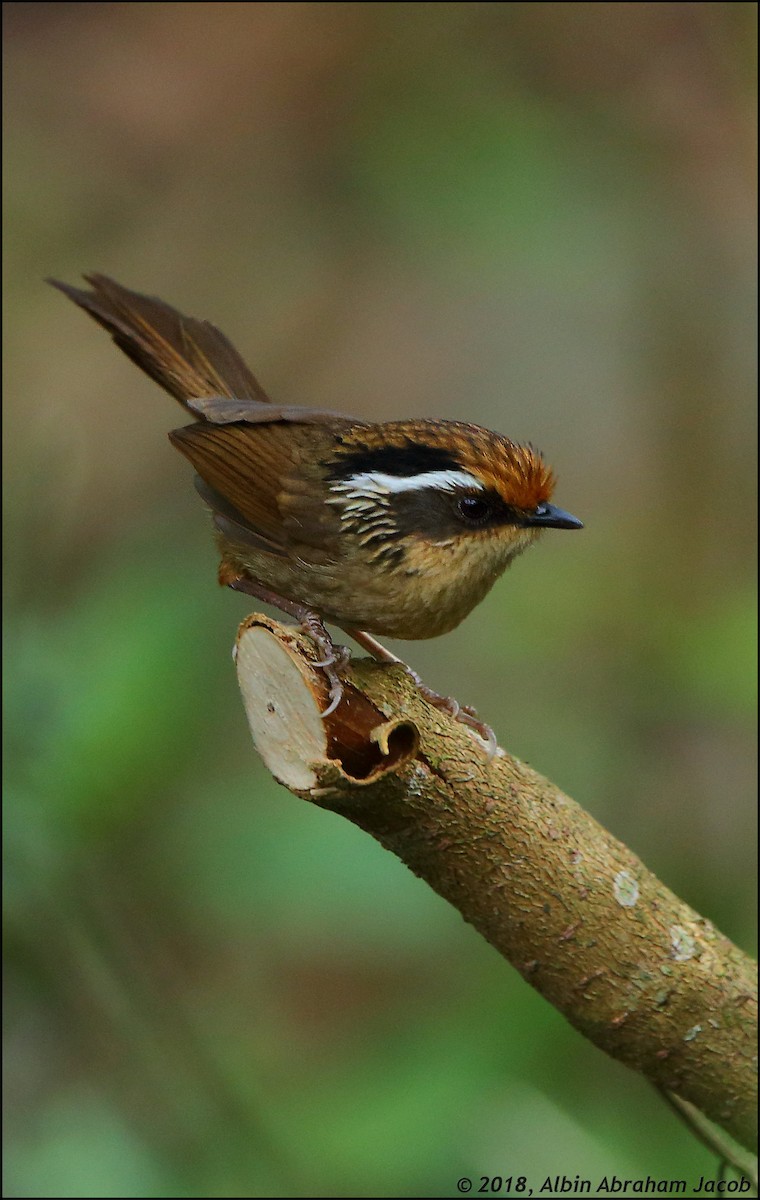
pixel 463 713
pixel 332 658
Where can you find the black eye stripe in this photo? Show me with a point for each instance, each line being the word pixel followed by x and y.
pixel 468 508
pixel 405 461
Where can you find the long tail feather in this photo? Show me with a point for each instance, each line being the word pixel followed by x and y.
pixel 187 357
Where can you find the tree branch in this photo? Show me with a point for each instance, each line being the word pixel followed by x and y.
pixel 631 966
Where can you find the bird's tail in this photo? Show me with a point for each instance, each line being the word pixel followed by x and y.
pixel 191 359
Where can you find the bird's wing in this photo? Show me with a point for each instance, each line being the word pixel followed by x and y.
pixel 265 480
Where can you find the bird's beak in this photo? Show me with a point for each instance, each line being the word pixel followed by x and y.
pixel 549 517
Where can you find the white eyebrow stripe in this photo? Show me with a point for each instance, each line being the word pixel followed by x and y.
pixel 377 483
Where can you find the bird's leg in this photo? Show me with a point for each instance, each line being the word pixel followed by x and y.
pixel 460 712
pixel 333 657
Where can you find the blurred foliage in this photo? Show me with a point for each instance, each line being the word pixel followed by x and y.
pixel 536 216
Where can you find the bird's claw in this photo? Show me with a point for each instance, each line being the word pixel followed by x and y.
pixel 326 662
pixel 335 658
pixel 339 657
pixel 336 693
pixel 464 713
pixel 468 716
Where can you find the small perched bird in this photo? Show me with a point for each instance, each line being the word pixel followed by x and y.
pixel 396 527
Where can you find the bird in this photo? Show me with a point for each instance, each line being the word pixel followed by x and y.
pixel 392 528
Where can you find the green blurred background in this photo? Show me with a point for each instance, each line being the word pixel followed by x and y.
pixel 539 217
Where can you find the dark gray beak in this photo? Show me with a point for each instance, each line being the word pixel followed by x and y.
pixel 550 517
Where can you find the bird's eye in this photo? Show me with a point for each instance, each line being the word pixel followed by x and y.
pixel 473 510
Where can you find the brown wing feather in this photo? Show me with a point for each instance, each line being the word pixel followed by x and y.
pixel 268 477
pixel 232 524
pixel 185 356
pixel 224 410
